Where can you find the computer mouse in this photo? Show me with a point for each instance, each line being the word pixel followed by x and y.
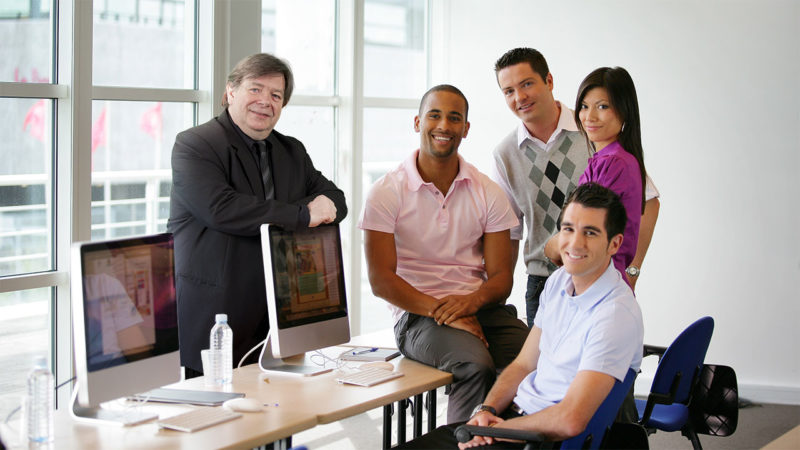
pixel 243 404
pixel 385 365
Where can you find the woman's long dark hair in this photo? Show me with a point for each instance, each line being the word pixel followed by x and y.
pixel 622 95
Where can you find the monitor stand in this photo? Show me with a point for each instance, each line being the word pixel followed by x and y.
pixel 269 363
pixel 125 418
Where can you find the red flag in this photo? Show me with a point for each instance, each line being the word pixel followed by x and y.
pixel 34 120
pixel 99 131
pixel 151 122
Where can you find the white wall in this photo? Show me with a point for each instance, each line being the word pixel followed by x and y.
pixel 720 106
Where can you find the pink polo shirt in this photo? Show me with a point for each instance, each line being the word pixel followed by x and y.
pixel 438 238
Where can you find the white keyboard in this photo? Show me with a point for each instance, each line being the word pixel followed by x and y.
pixel 369 376
pixel 199 418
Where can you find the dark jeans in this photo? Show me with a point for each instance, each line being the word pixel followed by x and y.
pixel 535 287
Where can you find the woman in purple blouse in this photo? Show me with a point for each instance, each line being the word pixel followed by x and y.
pixel 607 113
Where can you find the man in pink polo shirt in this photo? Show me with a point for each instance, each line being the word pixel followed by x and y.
pixel 438 249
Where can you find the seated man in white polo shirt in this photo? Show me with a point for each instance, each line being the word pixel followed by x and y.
pixel 438 249
pixel 587 333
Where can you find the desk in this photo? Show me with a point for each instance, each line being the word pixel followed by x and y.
pixel 249 431
pixel 303 403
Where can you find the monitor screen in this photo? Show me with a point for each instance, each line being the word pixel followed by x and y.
pixel 124 316
pixel 306 296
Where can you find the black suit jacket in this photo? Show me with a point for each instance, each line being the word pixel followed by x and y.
pixel 216 208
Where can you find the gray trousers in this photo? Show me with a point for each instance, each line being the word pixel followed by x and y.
pixel 474 367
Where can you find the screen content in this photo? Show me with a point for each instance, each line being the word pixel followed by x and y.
pixel 129 301
pixel 307 273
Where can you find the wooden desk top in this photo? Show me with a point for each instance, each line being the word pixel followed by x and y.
pixel 330 401
pixel 249 431
pixel 302 402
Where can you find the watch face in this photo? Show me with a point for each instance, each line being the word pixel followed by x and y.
pixel 632 271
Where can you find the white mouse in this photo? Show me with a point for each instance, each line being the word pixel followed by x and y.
pixel 385 365
pixel 243 404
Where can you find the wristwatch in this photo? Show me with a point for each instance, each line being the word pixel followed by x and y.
pixel 632 271
pixel 483 407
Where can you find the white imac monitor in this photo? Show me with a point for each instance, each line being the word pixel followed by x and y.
pixel 306 297
pixel 125 321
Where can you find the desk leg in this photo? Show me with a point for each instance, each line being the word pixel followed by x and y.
pixel 387 426
pixel 417 415
pixel 431 405
pixel 402 406
pixel 281 444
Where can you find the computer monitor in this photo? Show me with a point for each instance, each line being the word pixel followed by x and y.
pixel 125 321
pixel 306 297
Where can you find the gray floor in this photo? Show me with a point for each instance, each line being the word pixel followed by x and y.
pixel 758 425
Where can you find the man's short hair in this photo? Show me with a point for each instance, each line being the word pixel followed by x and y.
pixel 447 88
pixel 593 195
pixel 258 65
pixel 523 55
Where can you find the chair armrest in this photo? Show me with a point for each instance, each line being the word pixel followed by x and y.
pixel 653 350
pixel 464 433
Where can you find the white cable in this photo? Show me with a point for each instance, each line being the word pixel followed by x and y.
pixel 260 344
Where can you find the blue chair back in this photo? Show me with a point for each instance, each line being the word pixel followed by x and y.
pixel 604 416
pixel 685 356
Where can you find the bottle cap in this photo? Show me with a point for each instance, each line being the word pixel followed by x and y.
pixel 40 361
pixel 221 318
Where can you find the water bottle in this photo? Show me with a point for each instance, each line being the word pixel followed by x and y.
pixel 40 403
pixel 222 342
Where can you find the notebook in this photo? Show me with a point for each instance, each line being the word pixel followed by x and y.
pixel 370 354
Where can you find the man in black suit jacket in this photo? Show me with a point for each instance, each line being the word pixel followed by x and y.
pixel 230 175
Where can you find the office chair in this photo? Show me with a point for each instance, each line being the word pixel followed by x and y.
pixel 675 379
pixel 591 438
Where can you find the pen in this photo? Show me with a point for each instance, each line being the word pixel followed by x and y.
pixel 369 350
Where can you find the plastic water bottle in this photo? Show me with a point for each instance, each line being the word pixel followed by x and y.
pixel 222 342
pixel 40 403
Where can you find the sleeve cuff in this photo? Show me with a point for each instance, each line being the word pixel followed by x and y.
pixel 303 217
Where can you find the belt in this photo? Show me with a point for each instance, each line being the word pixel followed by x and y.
pixel 515 408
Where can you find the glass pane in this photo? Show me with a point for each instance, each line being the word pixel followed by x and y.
pixel 26 32
pixel 25 185
pixel 394 48
pixel 389 138
pixel 147 43
pixel 131 149
pixel 303 33
pixel 25 334
pixel 313 126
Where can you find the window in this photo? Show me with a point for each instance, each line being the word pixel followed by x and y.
pixel 27 234
pixel 67 175
pixel 394 68
pixel 138 44
pixel 131 171
pixel 89 157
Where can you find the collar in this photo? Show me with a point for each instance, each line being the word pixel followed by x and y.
pixel 247 139
pixel 566 122
pixel 415 180
pixel 614 147
pixel 597 291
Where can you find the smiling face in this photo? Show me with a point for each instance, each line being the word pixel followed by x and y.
pixel 255 104
pixel 584 244
pixel 599 118
pixel 527 95
pixel 442 124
